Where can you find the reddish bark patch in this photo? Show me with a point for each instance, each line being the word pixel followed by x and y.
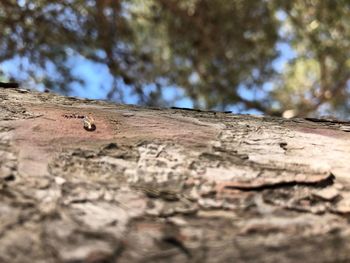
pixel 38 139
pixel 323 131
pixel 147 126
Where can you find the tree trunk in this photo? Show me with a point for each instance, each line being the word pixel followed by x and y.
pixel 168 185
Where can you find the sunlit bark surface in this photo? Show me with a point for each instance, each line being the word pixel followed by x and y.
pixel 168 185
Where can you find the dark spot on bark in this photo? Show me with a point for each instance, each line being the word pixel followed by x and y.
pixel 177 243
pixel 110 146
pixel 10 178
pixel 283 145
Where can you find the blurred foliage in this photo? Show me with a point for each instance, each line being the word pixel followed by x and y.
pixel 219 52
pixel 317 80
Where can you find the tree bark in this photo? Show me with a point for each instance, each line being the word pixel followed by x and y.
pixel 168 185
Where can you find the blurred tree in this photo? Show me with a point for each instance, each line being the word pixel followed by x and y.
pixel 317 80
pixel 217 51
pixel 45 34
pixel 210 48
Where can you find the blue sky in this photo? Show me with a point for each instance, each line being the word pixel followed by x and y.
pixel 98 79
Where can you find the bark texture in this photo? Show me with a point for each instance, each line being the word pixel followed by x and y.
pixel 168 185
